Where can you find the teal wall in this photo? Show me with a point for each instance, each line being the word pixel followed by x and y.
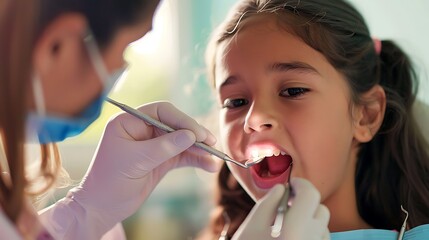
pixel 196 20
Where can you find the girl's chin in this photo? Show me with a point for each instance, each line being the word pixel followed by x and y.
pixel 251 189
pixel 257 193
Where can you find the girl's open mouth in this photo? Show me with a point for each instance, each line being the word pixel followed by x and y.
pixel 271 171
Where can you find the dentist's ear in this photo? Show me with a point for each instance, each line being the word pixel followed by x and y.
pixel 369 116
pixel 61 62
pixel 59 44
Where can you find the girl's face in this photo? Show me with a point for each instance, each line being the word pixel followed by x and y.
pixel 284 100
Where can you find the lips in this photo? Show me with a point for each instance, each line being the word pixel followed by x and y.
pixel 271 171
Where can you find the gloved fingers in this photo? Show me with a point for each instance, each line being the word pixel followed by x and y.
pixel 322 220
pixel 211 139
pixel 199 159
pixel 127 126
pixel 264 210
pixel 318 231
pixel 153 152
pixel 257 224
pixel 305 201
pixel 311 228
pixel 322 214
pixel 326 235
pixel 173 117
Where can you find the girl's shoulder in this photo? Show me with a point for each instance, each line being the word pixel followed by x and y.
pixel 417 233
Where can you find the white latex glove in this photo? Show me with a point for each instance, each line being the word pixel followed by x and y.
pixel 131 159
pixel 306 219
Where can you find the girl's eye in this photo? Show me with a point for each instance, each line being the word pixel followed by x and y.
pixel 234 103
pixel 293 92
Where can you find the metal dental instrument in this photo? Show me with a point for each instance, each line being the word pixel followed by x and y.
pixel 276 229
pixel 254 161
pixel 404 225
pixel 224 233
pixel 166 128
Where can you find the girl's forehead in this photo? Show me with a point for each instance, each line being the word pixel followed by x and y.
pixel 252 30
pixel 264 38
pixel 272 21
pixel 262 45
pixel 261 22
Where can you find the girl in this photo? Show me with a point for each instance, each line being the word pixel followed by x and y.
pixel 303 82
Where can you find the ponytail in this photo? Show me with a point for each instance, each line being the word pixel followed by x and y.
pixel 393 169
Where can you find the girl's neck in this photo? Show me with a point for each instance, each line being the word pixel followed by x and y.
pixel 343 207
pixel 344 217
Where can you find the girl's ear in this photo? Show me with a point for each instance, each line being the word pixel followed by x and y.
pixel 59 44
pixel 369 116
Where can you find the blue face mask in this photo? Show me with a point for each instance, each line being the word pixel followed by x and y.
pixel 49 128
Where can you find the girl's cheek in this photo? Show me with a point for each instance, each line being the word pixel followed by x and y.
pixel 227 136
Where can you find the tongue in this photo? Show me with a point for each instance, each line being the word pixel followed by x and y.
pixel 279 164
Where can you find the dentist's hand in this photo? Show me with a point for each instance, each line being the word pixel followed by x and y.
pixel 306 219
pixel 131 159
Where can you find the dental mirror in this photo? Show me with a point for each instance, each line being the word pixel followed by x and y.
pixel 254 159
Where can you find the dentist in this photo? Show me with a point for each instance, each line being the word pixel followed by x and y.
pixel 59 59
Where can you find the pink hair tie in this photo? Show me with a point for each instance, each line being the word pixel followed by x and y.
pixel 377 45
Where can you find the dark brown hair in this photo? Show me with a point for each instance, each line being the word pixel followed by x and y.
pixel 21 22
pixel 104 17
pixel 393 168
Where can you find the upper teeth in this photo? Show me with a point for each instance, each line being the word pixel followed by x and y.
pixel 267 153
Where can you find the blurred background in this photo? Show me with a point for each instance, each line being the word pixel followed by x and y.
pixel 168 64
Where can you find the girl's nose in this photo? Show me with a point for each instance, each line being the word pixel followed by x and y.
pixel 260 117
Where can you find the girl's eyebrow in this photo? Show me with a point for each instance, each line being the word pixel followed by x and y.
pixel 279 67
pixel 293 66
pixel 228 81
